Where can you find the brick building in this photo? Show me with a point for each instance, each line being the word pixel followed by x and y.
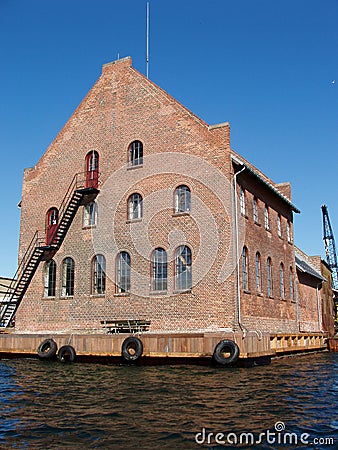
pixel 177 209
pixel 315 294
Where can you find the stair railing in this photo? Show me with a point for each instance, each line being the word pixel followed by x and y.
pixel 78 182
pixel 35 242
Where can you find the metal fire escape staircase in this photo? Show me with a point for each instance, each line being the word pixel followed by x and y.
pixel 77 195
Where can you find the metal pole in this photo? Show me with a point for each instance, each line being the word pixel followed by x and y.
pixel 147 41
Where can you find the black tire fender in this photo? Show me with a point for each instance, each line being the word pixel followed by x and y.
pixel 47 349
pixel 226 352
pixel 66 354
pixel 132 349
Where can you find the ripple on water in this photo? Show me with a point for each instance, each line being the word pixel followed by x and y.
pixel 49 405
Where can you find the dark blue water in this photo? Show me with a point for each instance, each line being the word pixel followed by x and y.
pixel 47 405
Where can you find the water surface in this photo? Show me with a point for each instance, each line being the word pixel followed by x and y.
pixel 48 405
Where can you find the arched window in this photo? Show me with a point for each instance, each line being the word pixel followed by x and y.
pixel 159 270
pixel 182 199
pixel 242 201
pixel 183 266
pixel 269 276
pixel 92 169
pixel 52 219
pixel 291 284
pixel 99 275
pixel 123 272
pixel 245 269
pixel 258 273
pixel 49 278
pixel 136 153
pixel 67 282
pixel 281 281
pixel 255 209
pixel 90 213
pixel 135 207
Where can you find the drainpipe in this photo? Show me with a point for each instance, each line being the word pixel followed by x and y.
pixel 320 327
pixel 239 318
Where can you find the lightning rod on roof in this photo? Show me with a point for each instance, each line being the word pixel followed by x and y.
pixel 147 40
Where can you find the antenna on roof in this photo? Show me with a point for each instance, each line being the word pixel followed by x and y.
pixel 147 40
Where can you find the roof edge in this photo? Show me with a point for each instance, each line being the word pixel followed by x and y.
pixel 261 179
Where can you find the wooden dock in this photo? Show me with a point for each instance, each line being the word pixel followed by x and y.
pixel 169 347
pixel 333 344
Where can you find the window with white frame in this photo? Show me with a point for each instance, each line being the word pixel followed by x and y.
pixel 291 284
pixel 281 281
pixel 136 153
pixel 255 209
pixel 245 269
pixel 288 231
pixel 159 270
pixel 266 218
pixel 90 215
pixel 183 268
pixel 123 273
pixel 135 207
pixel 269 276
pixel 67 281
pixel 50 278
pixel 258 273
pixel 99 275
pixel 242 201
pixel 182 199
pixel 279 225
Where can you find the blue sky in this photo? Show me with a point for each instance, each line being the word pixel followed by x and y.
pixel 266 66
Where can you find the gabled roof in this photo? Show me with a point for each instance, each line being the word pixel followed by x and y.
pixel 304 266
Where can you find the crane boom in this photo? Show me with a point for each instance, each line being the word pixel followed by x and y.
pixel 330 247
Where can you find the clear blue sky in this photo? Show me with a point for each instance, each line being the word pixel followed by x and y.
pixel 266 66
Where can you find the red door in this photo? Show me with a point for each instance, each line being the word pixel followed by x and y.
pixel 51 224
pixel 92 170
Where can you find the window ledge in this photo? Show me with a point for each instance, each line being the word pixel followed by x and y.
pixel 257 223
pixel 246 291
pixel 182 291
pixel 97 295
pixel 52 297
pixel 134 220
pixel 137 166
pixel 122 294
pixel 183 213
pixel 66 296
pixel 259 294
pixel 158 292
pixel 293 301
pixel 89 227
pixel 272 297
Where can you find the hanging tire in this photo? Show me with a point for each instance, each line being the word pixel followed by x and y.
pixel 66 354
pixel 132 349
pixel 226 352
pixel 47 349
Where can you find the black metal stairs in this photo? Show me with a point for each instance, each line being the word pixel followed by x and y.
pixel 38 250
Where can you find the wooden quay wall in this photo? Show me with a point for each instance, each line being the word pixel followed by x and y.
pixel 170 347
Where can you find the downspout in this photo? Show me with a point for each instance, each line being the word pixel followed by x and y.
pixel 320 327
pixel 239 315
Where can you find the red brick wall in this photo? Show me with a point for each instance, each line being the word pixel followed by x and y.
pixel 122 107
